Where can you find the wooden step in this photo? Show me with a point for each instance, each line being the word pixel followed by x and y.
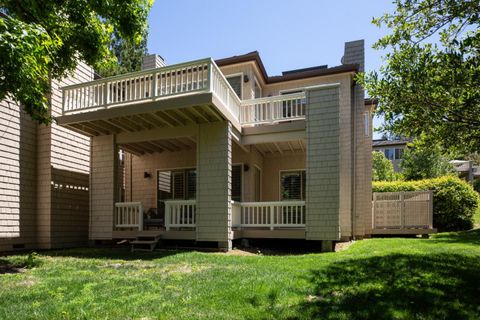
pixel 145 243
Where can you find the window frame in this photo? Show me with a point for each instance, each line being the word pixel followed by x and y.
pixel 233 75
pixel 241 164
pixel 303 188
pixel 260 185
pixel 256 82
pixel 172 171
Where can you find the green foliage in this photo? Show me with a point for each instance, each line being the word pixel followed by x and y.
pixel 454 200
pixel 476 185
pixel 429 83
pixel 424 159
pixel 382 168
pixel 128 53
pixel 40 40
pixel 32 260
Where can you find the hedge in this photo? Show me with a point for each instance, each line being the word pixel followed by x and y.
pixel 454 200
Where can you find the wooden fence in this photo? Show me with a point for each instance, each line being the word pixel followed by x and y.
pixel 402 210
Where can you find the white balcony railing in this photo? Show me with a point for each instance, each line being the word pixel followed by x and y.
pixel 280 214
pixel 185 78
pixel 129 215
pixel 273 109
pixel 180 213
pixel 196 76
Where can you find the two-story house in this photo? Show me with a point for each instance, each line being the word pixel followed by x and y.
pixel 208 151
pixel 214 151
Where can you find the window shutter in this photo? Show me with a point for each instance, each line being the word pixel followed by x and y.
pixel 292 185
pixel 191 184
pixel 237 183
pixel 236 83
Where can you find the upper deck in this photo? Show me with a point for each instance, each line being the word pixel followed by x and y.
pixel 192 92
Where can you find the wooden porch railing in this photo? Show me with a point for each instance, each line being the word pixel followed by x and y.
pixel 129 215
pixel 280 214
pixel 402 210
pixel 180 213
pixel 196 76
pixel 273 109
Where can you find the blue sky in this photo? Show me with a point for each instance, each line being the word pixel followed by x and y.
pixel 288 34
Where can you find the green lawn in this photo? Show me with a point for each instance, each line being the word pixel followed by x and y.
pixel 437 278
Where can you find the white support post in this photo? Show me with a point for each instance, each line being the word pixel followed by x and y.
pixel 167 216
pixel 272 213
pixel 140 217
pixel 154 85
pixel 210 76
pixel 105 94
pixel 402 210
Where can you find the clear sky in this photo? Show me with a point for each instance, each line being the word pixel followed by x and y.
pixel 288 34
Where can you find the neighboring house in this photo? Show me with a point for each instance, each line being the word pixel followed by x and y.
pixel 466 169
pixel 206 150
pixel 44 177
pixel 392 149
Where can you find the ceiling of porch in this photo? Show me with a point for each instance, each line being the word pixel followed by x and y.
pixel 159 146
pixel 145 121
pixel 283 147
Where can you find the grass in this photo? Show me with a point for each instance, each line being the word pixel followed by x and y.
pixel 476 218
pixel 437 278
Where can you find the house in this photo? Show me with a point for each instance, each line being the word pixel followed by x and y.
pixel 392 149
pixel 466 170
pixel 208 151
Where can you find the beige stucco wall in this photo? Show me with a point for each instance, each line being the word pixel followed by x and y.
pixel 139 188
pixel 144 190
pixel 273 164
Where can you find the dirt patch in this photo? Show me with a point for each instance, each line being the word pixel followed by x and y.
pixel 8 268
pixel 340 246
pixel 238 252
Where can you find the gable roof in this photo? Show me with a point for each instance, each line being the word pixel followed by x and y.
pixel 286 75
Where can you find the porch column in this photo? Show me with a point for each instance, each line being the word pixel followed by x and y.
pixel 323 164
pixel 102 186
pixel 214 171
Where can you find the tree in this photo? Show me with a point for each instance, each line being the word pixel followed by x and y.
pixel 128 53
pixel 430 83
pixel 41 40
pixel 382 168
pixel 424 159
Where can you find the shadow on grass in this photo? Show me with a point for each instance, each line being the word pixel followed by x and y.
pixel 109 253
pixel 467 237
pixel 8 267
pixel 396 286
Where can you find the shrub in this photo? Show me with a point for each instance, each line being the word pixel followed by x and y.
pixel 382 168
pixel 454 200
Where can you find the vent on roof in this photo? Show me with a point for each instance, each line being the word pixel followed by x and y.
pixel 305 69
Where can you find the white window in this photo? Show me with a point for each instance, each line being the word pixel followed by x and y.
pixel 236 82
pixel 292 185
pixel 257 88
pixel 237 182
